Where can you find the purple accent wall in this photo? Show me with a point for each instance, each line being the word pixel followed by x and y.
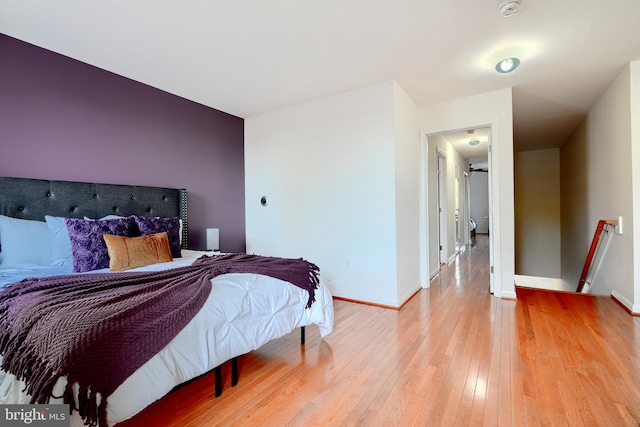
pixel 63 119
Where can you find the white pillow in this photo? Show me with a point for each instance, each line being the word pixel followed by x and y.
pixel 60 244
pixel 24 242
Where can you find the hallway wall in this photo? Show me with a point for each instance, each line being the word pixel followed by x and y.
pixel 596 183
pixel 479 209
pixel 537 209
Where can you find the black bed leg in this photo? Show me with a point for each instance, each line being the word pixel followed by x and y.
pixel 234 371
pixel 218 380
pixel 301 335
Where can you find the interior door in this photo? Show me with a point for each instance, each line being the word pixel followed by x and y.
pixel 442 207
pixel 456 195
pixel 491 225
pixel 466 203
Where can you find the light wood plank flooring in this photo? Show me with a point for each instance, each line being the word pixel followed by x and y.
pixel 452 356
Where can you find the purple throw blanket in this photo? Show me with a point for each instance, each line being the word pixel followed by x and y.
pixel 97 329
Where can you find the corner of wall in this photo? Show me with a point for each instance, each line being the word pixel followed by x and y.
pixel 634 68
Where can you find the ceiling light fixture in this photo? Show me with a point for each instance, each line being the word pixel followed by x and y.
pixel 507 65
pixel 474 142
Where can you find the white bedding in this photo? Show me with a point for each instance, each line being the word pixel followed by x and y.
pixel 242 313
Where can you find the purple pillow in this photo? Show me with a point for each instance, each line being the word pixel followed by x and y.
pixel 148 225
pixel 88 248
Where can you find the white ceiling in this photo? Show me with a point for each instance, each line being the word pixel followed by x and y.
pixel 247 57
pixel 460 141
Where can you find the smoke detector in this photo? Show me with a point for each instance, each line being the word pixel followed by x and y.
pixel 508 7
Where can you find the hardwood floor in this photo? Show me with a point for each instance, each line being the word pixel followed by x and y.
pixel 452 356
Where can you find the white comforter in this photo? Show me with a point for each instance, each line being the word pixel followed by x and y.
pixel 243 312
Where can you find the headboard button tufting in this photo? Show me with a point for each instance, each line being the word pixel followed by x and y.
pixel 32 199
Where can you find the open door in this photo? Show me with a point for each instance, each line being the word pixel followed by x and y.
pixel 491 225
pixel 466 216
pixel 442 207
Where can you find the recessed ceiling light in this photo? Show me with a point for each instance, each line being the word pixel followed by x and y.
pixel 474 142
pixel 507 65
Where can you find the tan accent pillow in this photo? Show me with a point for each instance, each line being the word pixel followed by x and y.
pixel 131 252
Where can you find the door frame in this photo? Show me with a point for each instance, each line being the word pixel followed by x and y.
pixel 494 235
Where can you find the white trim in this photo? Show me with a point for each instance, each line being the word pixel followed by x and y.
pixel 507 295
pixel 424 213
pixel 635 309
pixel 495 234
pixel 408 295
pixel 490 183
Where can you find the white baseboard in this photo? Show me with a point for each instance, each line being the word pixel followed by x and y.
pixel 551 283
pixel 509 295
pixel 407 296
pixel 635 309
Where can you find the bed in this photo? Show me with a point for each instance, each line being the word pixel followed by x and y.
pixel 242 312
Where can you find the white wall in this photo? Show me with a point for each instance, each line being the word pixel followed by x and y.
pixel 342 178
pixel 329 171
pixel 596 183
pixel 479 184
pixel 407 168
pixel 537 209
pixel 634 71
pixel 492 109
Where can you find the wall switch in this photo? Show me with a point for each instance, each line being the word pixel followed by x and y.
pixel 619 226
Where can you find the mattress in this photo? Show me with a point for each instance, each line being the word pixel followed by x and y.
pixel 242 313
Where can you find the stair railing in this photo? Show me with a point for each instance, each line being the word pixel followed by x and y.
pixel 600 228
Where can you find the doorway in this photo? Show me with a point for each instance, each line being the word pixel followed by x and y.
pixel 447 157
